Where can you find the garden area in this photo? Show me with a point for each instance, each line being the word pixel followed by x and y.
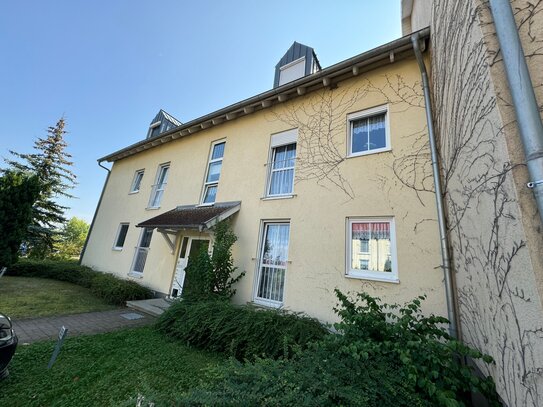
pixel 26 297
pixel 206 351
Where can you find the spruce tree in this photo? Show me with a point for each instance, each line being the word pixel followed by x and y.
pixel 51 164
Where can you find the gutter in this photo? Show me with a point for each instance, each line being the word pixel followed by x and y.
pixel 522 93
pixel 445 257
pixel 95 212
pixel 325 78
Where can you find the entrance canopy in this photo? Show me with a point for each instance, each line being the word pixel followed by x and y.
pixel 192 217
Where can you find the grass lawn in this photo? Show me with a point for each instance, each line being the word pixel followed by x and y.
pixel 104 370
pixel 28 297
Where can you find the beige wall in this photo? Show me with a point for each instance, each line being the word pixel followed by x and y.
pixel 368 187
pixel 417 15
pixel 494 227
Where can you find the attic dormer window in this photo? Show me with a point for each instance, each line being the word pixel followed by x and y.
pixel 154 129
pixel 292 71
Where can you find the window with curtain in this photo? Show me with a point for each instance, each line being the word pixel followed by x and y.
pixel 273 264
pixel 368 131
pixel 371 249
pixel 213 173
pixel 281 175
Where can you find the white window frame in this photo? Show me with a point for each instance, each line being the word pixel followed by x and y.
pixel 390 277
pixel 212 183
pixel 156 187
pixel 132 272
pixel 365 114
pixel 263 230
pixel 133 189
pixel 119 248
pixel 280 139
pixel 152 126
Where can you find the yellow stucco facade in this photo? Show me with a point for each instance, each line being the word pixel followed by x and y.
pixel 365 186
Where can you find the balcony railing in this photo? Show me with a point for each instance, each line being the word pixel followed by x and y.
pixel 271 284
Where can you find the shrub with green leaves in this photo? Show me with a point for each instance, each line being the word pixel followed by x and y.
pixel 382 355
pixel 112 289
pixel 213 275
pixel 429 359
pixel 244 332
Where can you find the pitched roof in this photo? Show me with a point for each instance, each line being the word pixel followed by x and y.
pixel 377 57
pixel 192 216
pixel 296 51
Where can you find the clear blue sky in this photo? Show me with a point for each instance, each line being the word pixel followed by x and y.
pixel 109 66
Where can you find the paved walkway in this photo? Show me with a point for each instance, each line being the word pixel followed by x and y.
pixel 39 329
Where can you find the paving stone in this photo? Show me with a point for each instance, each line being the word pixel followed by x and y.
pixel 38 329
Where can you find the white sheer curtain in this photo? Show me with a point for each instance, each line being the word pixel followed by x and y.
pixel 273 262
pixel 282 170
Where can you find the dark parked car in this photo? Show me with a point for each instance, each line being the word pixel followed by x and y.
pixel 8 344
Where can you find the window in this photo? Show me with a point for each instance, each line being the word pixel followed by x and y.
pixel 213 173
pixel 138 176
pixel 292 71
pixel 364 245
pixel 154 129
pixel 272 264
pixel 281 164
pixel 371 249
pixel 121 236
pixel 140 257
pixel 282 170
pixel 368 131
pixel 160 184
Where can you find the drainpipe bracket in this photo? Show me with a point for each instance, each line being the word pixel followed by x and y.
pixel 533 184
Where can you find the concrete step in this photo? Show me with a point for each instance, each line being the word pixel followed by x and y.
pixel 153 306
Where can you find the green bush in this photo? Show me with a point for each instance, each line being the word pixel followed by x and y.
pixel 312 378
pixel 209 276
pixel 381 356
pixel 112 289
pixel 244 332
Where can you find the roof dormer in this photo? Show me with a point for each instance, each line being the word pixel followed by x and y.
pixel 161 123
pixel 299 61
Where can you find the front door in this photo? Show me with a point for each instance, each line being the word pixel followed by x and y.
pixel 190 247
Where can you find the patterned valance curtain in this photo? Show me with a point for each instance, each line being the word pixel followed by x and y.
pixel 373 230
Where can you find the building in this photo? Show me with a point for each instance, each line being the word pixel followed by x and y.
pixel 326 179
pixel 494 229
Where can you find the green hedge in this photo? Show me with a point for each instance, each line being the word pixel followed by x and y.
pixel 112 289
pixel 385 355
pixel 244 332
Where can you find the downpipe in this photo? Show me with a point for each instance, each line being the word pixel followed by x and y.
pixel 445 257
pixel 523 96
pixel 95 212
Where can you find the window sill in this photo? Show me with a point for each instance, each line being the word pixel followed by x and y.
pixel 369 152
pixel 275 197
pixel 152 208
pixel 391 279
pixel 117 249
pixel 133 274
pixel 207 204
pixel 133 192
pixel 265 304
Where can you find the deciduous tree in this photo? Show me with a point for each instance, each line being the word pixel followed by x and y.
pixel 18 192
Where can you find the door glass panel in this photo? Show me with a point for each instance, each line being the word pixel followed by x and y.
pixel 183 252
pixel 196 246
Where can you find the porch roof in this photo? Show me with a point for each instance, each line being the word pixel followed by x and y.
pixel 192 216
